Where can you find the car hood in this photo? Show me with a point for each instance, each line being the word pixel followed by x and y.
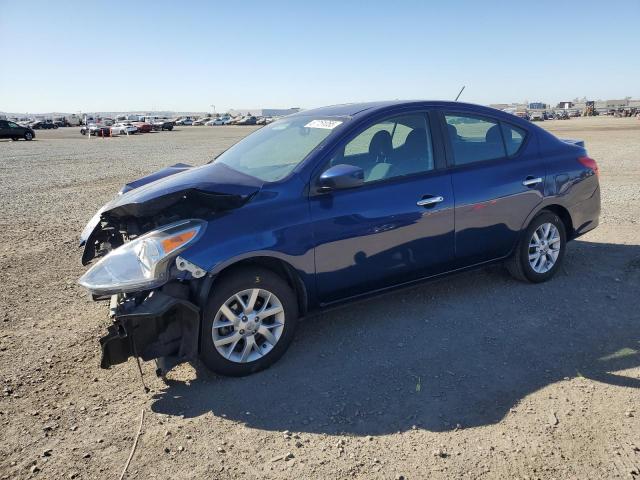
pixel 213 186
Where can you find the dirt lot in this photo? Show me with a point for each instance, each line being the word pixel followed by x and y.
pixel 473 376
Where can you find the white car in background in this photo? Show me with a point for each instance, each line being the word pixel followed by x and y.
pixel 184 121
pixel 218 121
pixel 201 121
pixel 123 128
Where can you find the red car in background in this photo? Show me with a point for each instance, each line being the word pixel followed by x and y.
pixel 143 127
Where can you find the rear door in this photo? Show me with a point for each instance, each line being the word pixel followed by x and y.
pixel 395 228
pixel 498 179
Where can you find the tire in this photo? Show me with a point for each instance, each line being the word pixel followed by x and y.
pixel 281 299
pixel 28 136
pixel 83 131
pixel 519 264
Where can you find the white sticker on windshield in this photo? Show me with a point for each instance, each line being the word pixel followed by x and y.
pixel 328 124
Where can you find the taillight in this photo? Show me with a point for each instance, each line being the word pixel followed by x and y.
pixel 590 163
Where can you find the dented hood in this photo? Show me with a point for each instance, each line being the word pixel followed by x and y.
pixel 214 185
pixel 214 179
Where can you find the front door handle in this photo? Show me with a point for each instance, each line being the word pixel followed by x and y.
pixel 425 202
pixel 531 181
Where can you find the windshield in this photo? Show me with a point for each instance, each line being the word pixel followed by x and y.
pixel 272 152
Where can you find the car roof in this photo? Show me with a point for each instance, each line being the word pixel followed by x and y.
pixel 365 108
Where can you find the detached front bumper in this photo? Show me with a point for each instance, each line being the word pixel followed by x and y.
pixel 160 327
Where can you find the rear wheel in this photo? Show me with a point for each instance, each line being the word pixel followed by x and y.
pixel 248 322
pixel 540 250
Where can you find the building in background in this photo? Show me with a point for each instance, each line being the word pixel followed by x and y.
pixel 265 112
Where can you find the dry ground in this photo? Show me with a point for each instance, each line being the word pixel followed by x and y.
pixel 474 376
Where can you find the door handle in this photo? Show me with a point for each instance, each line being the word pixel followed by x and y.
pixel 425 202
pixel 531 181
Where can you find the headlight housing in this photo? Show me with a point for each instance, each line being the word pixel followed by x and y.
pixel 143 263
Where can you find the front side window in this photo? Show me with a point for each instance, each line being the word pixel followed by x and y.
pixel 474 139
pixel 272 152
pixel 391 148
pixel 13 125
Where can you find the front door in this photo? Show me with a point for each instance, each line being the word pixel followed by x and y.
pixel 395 228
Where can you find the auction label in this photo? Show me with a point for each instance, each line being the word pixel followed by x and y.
pixel 327 124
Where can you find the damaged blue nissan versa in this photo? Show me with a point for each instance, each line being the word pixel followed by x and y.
pixel 218 262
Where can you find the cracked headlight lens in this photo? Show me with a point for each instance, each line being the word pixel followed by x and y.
pixel 143 263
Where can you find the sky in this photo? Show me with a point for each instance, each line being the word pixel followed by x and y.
pixel 188 55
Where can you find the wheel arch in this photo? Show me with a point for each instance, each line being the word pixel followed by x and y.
pixel 279 266
pixel 564 215
pixel 560 210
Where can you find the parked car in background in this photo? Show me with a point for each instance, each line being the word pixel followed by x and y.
pixel 536 116
pixel 14 131
pixel 97 130
pixel 124 128
pixel 186 121
pixel 522 114
pixel 143 127
pixel 201 121
pixel 43 125
pixel 562 115
pixel 162 124
pixel 248 120
pixel 217 121
pixel 219 261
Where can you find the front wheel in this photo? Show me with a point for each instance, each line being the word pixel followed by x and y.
pixel 540 250
pixel 28 136
pixel 248 322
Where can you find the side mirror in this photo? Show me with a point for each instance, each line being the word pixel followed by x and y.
pixel 339 177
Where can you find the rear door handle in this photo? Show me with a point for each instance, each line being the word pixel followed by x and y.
pixel 531 181
pixel 425 202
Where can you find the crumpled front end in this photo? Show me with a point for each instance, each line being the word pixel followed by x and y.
pixel 159 326
pixel 136 241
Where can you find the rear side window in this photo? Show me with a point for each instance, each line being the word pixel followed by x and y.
pixel 513 137
pixel 474 139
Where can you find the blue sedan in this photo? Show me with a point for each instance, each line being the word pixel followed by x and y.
pixel 219 262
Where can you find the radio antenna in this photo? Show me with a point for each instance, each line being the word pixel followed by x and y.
pixel 459 93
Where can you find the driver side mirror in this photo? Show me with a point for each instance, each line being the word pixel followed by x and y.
pixel 340 177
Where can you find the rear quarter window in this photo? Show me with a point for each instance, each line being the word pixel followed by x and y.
pixel 513 137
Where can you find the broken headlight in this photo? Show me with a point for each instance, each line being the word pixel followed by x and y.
pixel 143 263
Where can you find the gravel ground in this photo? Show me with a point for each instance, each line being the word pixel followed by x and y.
pixel 473 376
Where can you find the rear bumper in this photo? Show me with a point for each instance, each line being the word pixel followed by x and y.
pixel 585 215
pixel 160 327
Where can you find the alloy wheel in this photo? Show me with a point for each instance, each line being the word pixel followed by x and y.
pixel 544 248
pixel 248 325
